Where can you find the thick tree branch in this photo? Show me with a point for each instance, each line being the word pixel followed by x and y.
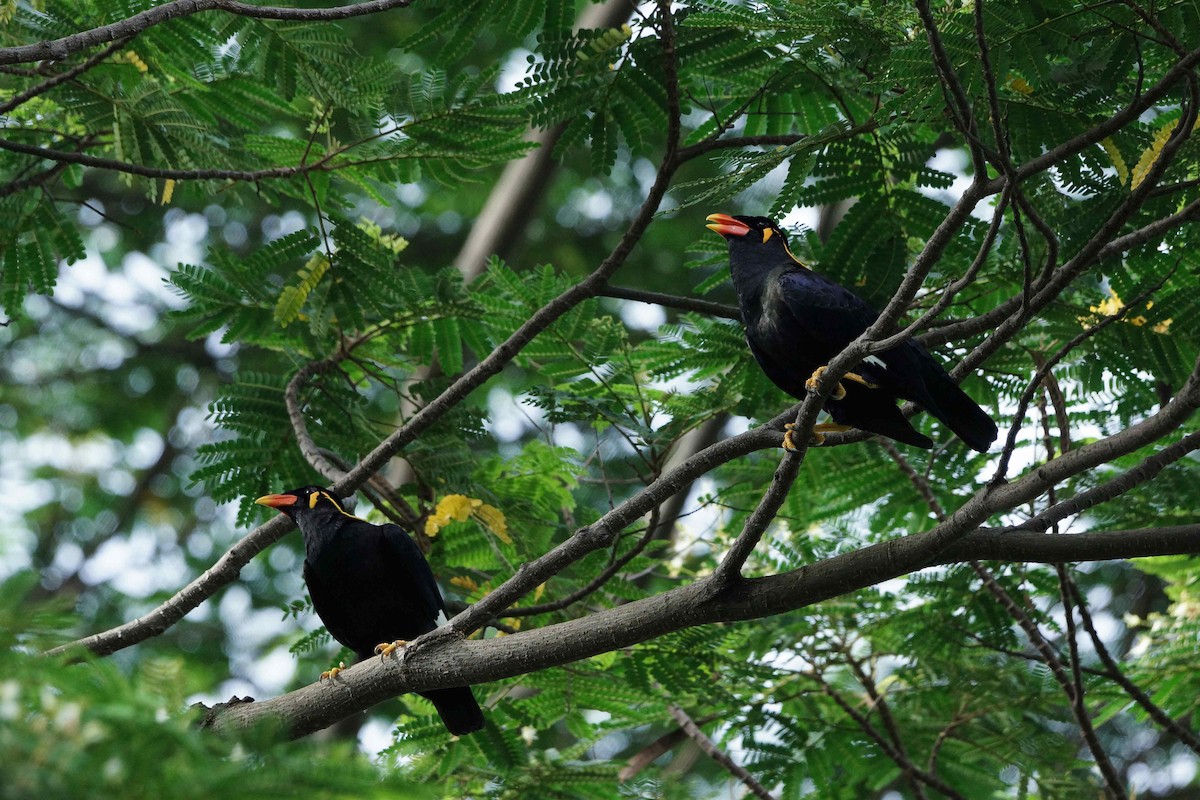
pixel 455 662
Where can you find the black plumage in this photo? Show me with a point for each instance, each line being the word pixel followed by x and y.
pixel 797 321
pixel 371 586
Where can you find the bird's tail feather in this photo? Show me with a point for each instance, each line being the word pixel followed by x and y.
pixel 960 413
pixel 906 435
pixel 458 709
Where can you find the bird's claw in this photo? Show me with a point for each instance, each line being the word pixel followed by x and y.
pixel 385 649
pixel 839 391
pixel 816 437
pixel 331 673
pixel 789 444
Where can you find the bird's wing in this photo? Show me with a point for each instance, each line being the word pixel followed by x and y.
pixel 833 316
pixel 406 561
pixel 827 314
pixel 320 591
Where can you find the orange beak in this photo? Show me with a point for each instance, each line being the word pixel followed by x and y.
pixel 726 225
pixel 277 500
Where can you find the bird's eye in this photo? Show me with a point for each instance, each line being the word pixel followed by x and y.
pixel 767 234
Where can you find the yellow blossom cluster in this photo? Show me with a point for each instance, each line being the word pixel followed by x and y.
pixel 1113 304
pixel 460 508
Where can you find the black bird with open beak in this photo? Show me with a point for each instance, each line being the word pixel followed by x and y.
pixel 372 588
pixel 798 321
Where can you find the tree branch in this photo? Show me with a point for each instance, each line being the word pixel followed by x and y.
pixel 906 766
pixel 1039 376
pixel 581 543
pixel 67 75
pixel 312 454
pixel 457 662
pixel 730 568
pixel 672 301
pixel 880 704
pixel 248 176
pixel 1114 672
pixel 710 749
pixel 595 583
pixel 1145 471
pixel 59 49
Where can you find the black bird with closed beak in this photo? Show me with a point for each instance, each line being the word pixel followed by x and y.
pixel 372 588
pixel 797 321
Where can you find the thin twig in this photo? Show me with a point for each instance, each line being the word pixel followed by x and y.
pixel 1113 671
pixel 291 396
pixel 916 479
pixel 67 75
pixel 911 770
pixel 597 582
pixel 1055 665
pixel 672 301
pixel 1039 375
pixel 710 749
pixel 880 704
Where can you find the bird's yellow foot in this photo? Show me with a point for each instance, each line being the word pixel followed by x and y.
pixel 385 649
pixel 819 431
pixel 788 444
pixel 816 437
pixel 839 391
pixel 330 674
pixel 854 376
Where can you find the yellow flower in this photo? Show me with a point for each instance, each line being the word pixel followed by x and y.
pixel 1150 154
pixel 1109 305
pixel 1113 305
pixel 455 507
pixel 493 519
pixel 459 507
pixel 1019 85
pixel 1114 155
